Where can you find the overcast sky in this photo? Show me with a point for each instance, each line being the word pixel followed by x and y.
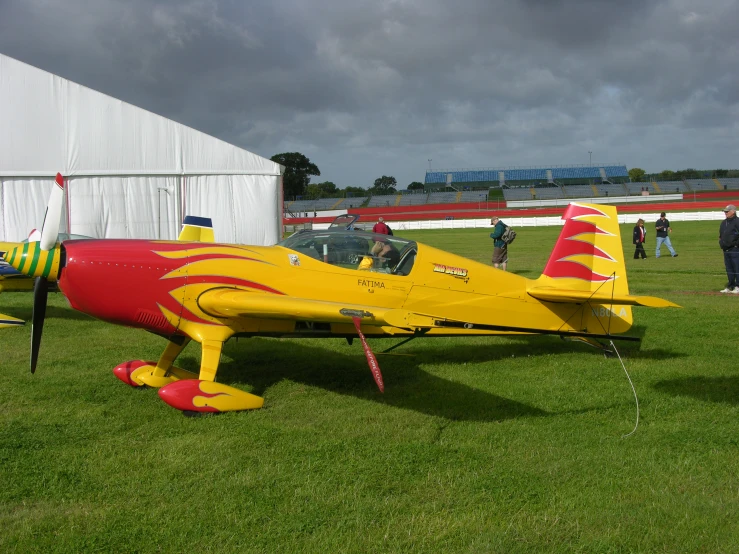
pixel 367 88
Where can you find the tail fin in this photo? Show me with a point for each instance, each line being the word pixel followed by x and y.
pixel 197 229
pixel 587 268
pixel 588 255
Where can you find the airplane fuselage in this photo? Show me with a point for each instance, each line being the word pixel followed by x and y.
pixel 156 285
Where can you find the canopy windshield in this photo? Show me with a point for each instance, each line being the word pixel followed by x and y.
pixel 355 250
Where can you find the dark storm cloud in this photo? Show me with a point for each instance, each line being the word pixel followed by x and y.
pixel 372 87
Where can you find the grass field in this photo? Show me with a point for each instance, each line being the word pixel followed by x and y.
pixel 477 445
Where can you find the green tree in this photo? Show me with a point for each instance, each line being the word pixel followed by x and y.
pixel 312 192
pixel 328 189
pixel 298 170
pixel 415 185
pixel 667 175
pixel 355 191
pixel 637 174
pixel 384 185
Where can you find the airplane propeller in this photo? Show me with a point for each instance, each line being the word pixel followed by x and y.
pixel 47 242
pixel 40 294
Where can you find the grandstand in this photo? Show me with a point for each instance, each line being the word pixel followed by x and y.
pixel 526 176
pixel 514 191
pixel 322 204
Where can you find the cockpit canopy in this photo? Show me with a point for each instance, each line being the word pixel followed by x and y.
pixel 355 249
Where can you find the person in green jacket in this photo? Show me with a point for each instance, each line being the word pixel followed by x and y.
pixel 500 252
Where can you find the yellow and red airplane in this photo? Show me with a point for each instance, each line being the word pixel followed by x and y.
pixel 323 284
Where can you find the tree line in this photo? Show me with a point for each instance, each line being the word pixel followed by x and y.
pixel 638 175
pixel 299 170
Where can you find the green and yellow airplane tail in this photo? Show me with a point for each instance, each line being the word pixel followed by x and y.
pixel 9 281
pixel 587 267
pixel 8 321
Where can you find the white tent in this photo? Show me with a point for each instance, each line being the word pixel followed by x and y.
pixel 129 173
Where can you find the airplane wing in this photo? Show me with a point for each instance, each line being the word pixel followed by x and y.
pixel 581 296
pixel 234 303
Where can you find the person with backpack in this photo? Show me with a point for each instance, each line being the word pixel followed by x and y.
pixel 500 251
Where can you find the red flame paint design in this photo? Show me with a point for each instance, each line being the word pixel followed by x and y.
pixel 576 239
pixel 182 394
pixel 144 276
pixel 575 211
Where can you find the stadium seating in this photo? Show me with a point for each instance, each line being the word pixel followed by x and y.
pixel 611 190
pixel 672 187
pixel 546 193
pixel 703 184
pixel 532 174
pixel 473 196
pixel 638 188
pixel 386 200
pixel 442 197
pixel 413 199
pixel 578 191
pixel 730 183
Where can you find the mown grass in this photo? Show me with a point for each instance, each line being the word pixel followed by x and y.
pixel 478 444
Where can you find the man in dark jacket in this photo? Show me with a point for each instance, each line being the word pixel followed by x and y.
pixel 500 251
pixel 728 240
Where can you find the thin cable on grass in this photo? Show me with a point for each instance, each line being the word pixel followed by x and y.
pixel 636 398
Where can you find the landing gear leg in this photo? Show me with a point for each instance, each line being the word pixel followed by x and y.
pixel 139 372
pixel 209 359
pixel 204 394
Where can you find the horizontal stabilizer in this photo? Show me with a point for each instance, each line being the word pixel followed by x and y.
pixel 197 229
pixel 547 294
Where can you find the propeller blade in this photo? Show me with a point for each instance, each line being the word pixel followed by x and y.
pixel 40 294
pixel 53 217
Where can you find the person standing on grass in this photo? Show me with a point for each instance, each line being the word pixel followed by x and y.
pixel 640 237
pixel 728 240
pixel 663 235
pixel 500 251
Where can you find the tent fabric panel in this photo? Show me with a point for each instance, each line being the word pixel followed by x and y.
pixel 255 195
pixel 140 207
pixel 32 119
pixel 24 206
pixel 108 136
pixel 216 156
pixel 58 125
pixel 211 196
pixel 242 207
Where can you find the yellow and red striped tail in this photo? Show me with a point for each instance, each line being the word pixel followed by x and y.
pixel 588 254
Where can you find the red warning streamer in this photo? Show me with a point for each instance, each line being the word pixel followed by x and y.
pixel 371 360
